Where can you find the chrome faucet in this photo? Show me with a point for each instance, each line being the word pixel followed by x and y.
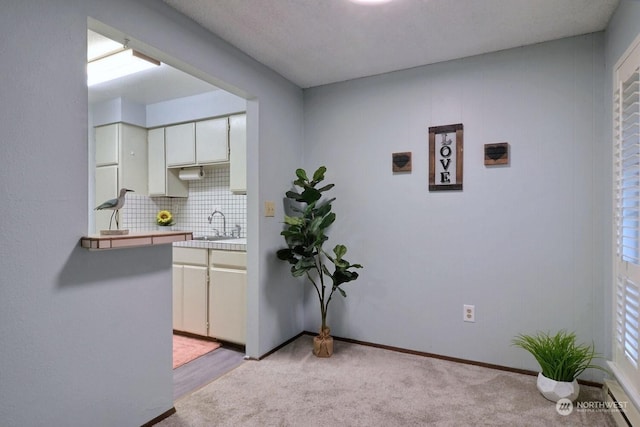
pixel 224 221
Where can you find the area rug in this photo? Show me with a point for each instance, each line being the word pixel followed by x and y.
pixel 185 349
pixel 371 387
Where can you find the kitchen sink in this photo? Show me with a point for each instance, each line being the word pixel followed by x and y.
pixel 235 240
pixel 212 238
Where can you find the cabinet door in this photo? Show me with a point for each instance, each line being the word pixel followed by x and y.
pixel 181 144
pixel 238 153
pixel 212 141
pixel 157 166
pixel 175 186
pixel 106 189
pixel 107 145
pixel 178 300
pixel 194 315
pixel 227 305
pixel 162 181
pixel 133 159
pixel 192 256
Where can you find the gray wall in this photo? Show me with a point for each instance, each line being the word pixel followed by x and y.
pixel 621 32
pixel 210 104
pixel 522 243
pixel 86 337
pixel 205 105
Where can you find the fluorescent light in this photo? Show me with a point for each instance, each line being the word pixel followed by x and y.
pixel 117 65
pixel 367 2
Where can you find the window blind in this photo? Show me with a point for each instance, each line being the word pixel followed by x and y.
pixel 626 124
pixel 627 309
pixel 628 179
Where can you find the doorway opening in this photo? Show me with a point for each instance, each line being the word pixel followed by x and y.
pixel 136 108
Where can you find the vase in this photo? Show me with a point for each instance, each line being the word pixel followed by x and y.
pixel 555 390
pixel 323 344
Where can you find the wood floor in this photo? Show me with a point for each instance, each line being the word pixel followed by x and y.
pixel 201 371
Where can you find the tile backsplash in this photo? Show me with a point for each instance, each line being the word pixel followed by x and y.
pixel 205 196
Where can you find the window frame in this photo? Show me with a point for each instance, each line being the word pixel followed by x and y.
pixel 625 362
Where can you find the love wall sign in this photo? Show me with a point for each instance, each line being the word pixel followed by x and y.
pixel 445 157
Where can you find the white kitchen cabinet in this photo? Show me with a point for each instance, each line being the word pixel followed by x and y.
pixel 162 181
pixel 178 300
pixel 107 138
pixel 238 153
pixel 180 144
pixel 197 143
pixel 194 299
pixel 212 141
pixel 227 296
pixel 121 162
pixel 190 282
pixel 209 293
pixel 132 162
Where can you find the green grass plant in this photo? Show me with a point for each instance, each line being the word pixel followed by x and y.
pixel 560 358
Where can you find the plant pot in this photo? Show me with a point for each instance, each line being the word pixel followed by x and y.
pixel 555 390
pixel 323 344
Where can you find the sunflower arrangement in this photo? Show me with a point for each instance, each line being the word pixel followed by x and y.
pixel 164 218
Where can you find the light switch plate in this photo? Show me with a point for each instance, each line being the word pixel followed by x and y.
pixel 269 208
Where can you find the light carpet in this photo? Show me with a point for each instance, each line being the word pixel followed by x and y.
pixel 186 349
pixel 365 386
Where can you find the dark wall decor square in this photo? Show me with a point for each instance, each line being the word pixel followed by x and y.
pixel 496 154
pixel 445 157
pixel 401 162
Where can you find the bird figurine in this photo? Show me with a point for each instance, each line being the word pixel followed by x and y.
pixel 114 205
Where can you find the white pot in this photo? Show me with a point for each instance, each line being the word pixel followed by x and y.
pixel 556 390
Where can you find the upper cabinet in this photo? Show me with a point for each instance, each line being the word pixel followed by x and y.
pixel 133 158
pixel 124 146
pixel 162 181
pixel 121 162
pixel 107 144
pixel 198 143
pixel 212 141
pixel 238 153
pixel 181 144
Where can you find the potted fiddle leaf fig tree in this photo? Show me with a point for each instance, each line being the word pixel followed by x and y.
pixel 561 361
pixel 305 234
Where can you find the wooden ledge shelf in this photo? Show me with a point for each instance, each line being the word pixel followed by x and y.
pixel 144 238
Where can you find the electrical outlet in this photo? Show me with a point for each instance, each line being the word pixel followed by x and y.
pixel 269 208
pixel 469 313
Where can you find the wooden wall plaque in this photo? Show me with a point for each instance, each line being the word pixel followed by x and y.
pixel 401 162
pixel 445 157
pixel 496 154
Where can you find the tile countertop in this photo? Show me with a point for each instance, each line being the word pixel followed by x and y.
pixel 226 245
pixel 178 238
pixel 99 242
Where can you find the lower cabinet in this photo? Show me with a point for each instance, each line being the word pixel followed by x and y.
pixel 227 295
pixel 209 293
pixel 190 284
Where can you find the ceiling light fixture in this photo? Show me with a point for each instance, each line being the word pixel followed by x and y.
pixel 370 2
pixel 118 64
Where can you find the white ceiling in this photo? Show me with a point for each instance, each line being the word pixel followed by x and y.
pixel 150 86
pixel 158 84
pixel 315 42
